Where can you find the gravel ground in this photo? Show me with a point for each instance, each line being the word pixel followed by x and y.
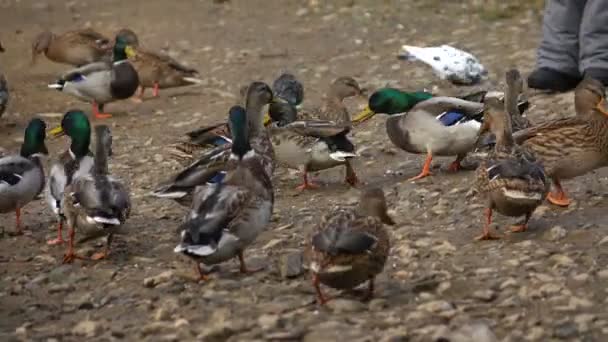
pixel 549 283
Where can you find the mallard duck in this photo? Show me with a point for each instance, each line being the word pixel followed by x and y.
pixel 421 123
pixel 157 71
pixel 211 165
pixel 76 161
pixel 511 178
pixel 96 203
pixel 287 91
pixel 287 88
pixel 227 217
pixel 571 147
pixel 350 246
pixel 77 48
pixel 102 82
pixel 22 176
pixel 3 94
pixel 320 143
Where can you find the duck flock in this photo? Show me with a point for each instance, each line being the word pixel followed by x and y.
pixel 226 184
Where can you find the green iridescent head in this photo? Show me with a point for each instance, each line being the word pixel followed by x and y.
pixel 33 140
pixel 76 125
pixel 390 101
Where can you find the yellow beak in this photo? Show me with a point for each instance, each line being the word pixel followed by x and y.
pixel 364 115
pixel 267 119
pixel 130 51
pixel 56 132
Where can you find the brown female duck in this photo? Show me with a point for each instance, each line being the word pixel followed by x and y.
pixel 77 48
pixel 511 178
pixel 349 246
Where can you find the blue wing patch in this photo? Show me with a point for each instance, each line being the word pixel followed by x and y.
pixel 450 118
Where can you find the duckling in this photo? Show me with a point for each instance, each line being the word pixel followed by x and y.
pixel 96 203
pixel 22 176
pixel 212 164
pixel 77 48
pixel 350 246
pixel 102 82
pixel 3 94
pixel 227 217
pixel 157 71
pixel 511 178
pixel 75 162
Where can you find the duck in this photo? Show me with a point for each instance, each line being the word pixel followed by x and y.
pixel 287 91
pixel 350 246
pixel 225 218
pixel 96 203
pixel 511 179
pixel 210 167
pixel 155 70
pixel 77 47
pixel 287 88
pixel 4 95
pixel 75 162
pixel 319 141
pixel 427 128
pixel 22 176
pixel 102 82
pixel 573 146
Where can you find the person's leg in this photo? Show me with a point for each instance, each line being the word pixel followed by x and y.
pixel 594 40
pixel 558 54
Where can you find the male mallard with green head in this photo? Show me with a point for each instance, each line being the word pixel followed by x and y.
pixel 512 179
pixel 102 82
pixel 351 246
pixel 227 217
pixel 75 162
pixel 211 166
pixel 77 48
pixel 96 203
pixel 22 176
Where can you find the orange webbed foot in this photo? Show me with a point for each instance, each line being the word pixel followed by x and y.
pixel 560 200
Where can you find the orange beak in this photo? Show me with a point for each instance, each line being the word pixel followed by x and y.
pixel 601 106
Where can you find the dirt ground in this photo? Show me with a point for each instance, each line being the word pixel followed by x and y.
pixel 549 283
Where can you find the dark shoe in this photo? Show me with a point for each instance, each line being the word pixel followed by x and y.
pixel 598 74
pixel 549 79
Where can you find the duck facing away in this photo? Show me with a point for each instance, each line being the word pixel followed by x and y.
pixel 96 203
pixel 155 70
pixel 511 178
pixel 76 161
pixel 102 82
pixel 77 48
pixel 351 246
pixel 227 217
pixel 211 166
pixel 22 176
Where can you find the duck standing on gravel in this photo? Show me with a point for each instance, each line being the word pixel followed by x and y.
pixel 227 217
pixel 351 246
pixel 211 166
pixel 77 48
pixel 76 161
pixel 102 82
pixel 157 71
pixel 22 176
pixel 511 178
pixel 96 203
pixel 318 140
pixel 573 146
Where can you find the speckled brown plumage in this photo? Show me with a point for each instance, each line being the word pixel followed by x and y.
pixel 511 179
pixel 350 246
pixel 77 48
